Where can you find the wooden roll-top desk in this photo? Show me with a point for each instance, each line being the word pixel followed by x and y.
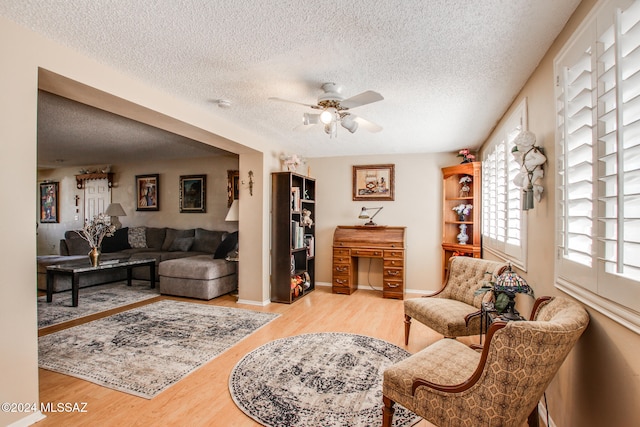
pixel 351 242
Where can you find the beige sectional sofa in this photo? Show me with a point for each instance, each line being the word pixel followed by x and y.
pixel 161 244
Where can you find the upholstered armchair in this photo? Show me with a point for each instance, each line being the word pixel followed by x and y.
pixel 449 310
pixel 450 384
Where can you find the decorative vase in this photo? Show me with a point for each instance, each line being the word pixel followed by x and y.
pixel 463 238
pixel 462 217
pixel 94 257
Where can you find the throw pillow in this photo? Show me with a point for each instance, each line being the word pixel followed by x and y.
pixel 173 234
pixel 181 244
pixel 76 245
pixel 228 244
pixel 207 241
pixel 138 237
pixel 118 242
pixel 155 237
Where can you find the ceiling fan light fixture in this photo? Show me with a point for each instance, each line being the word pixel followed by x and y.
pixel 349 123
pixel 328 115
pixel 310 119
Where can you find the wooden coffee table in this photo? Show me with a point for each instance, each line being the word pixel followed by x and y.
pixel 75 270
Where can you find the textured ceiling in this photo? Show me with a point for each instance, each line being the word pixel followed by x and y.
pixel 448 69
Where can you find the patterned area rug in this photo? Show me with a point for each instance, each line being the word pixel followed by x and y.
pixel 147 349
pixel 92 300
pixel 326 379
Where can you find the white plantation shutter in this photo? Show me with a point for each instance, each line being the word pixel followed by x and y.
pixel 598 136
pixel 503 229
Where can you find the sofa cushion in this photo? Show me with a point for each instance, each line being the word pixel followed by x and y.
pixel 207 240
pixel 228 244
pixel 118 242
pixel 173 234
pixel 137 237
pixel 182 244
pixel 200 267
pixel 155 237
pixel 76 244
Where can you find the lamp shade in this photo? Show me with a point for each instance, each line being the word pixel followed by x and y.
pixel 234 212
pixel 115 209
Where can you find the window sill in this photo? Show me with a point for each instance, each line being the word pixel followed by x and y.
pixel 522 266
pixel 619 314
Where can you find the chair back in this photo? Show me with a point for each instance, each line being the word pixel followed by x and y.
pixel 466 276
pixel 524 357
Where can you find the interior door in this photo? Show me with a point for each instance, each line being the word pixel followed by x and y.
pixel 97 196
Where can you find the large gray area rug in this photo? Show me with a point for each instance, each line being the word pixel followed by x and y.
pixel 147 349
pixel 92 300
pixel 324 379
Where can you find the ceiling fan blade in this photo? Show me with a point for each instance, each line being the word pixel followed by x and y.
pixel 370 126
pixel 294 102
pixel 361 99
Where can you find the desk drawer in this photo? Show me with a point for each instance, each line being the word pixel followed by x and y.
pixel 368 253
pixel 391 273
pixel 341 252
pixel 394 254
pixel 341 269
pixel 393 263
pixel 393 286
pixel 341 259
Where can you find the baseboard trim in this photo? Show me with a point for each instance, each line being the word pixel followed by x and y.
pixel 29 420
pixel 542 412
pixel 251 302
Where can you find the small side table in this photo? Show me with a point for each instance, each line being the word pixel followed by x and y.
pixel 488 314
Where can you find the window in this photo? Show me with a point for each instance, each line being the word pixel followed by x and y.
pixel 503 224
pixel 598 153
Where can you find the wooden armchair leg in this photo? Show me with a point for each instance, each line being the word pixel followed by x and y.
pixel 407 327
pixel 387 411
pixel 533 420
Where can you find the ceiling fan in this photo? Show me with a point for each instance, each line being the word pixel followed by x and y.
pixel 335 109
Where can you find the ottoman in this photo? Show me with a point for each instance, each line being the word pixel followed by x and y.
pixel 201 277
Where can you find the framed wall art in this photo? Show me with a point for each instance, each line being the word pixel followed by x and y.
pixel 193 190
pixel 373 182
pixel 49 202
pixel 233 186
pixel 148 192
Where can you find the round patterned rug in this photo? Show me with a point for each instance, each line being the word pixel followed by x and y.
pixel 324 379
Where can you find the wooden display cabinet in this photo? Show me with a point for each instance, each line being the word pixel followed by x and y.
pixel 452 196
pixel 292 244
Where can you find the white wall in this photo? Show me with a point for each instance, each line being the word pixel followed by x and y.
pixel 417 206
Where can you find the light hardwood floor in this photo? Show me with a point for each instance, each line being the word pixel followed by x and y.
pixel 202 398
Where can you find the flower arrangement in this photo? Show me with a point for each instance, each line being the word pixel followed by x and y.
pixel 96 230
pixel 463 209
pixel 466 155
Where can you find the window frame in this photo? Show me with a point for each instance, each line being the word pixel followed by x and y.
pixel 504 135
pixel 610 294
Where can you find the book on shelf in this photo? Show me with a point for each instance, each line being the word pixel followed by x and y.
pixel 297 235
pixel 296 203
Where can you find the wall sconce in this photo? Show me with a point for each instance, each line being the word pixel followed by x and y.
pixel 531 158
pixel 251 183
pixel 364 214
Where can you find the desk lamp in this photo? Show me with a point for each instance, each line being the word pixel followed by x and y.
pixel 510 284
pixel 364 214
